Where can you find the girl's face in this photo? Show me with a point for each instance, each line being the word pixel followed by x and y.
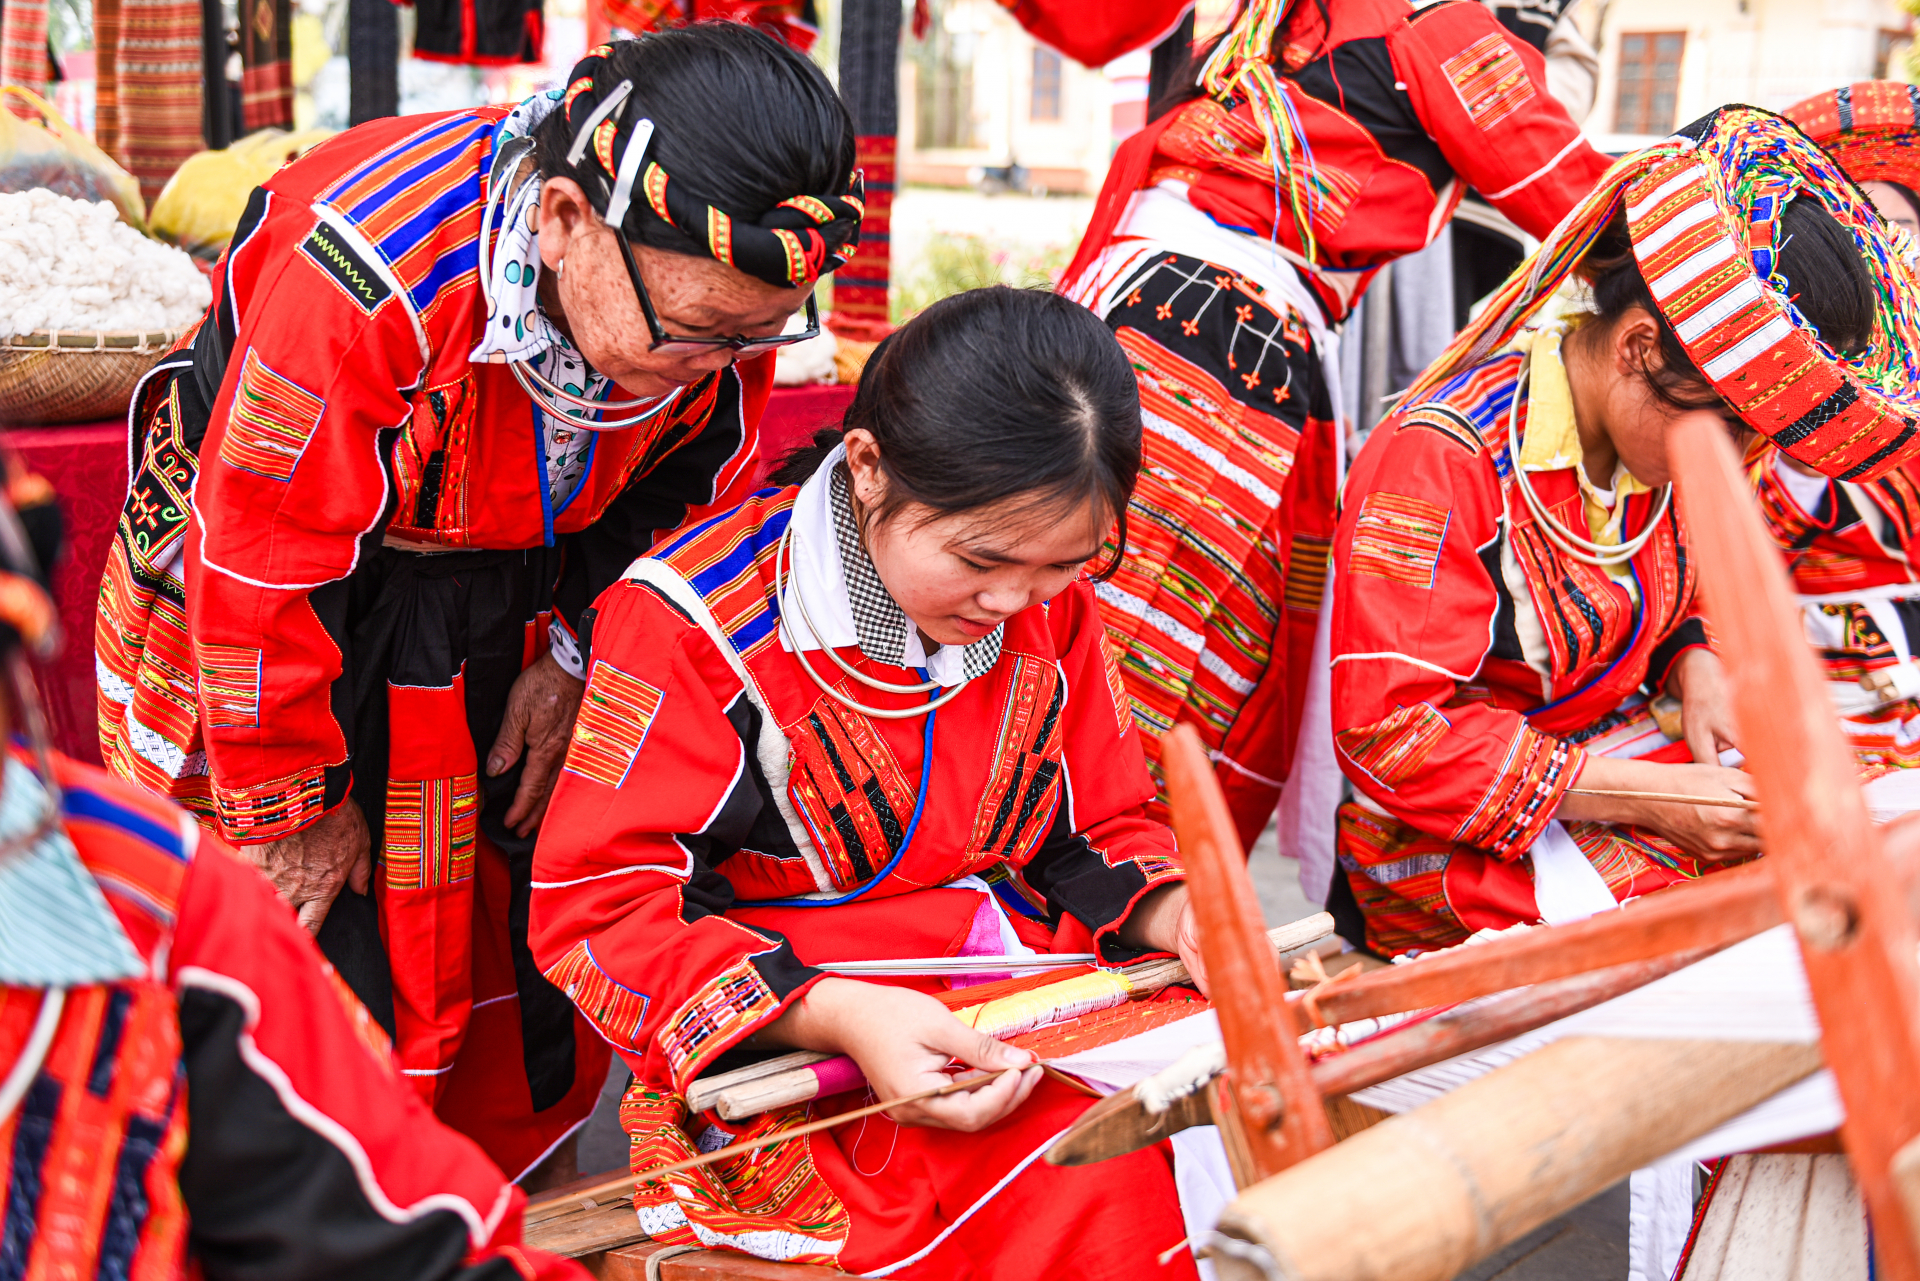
pixel 1893 205
pixel 693 297
pixel 1620 415
pixel 958 577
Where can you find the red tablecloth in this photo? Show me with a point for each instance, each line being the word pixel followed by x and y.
pixel 87 466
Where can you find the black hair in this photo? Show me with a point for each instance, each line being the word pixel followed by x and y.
pixel 1828 283
pixel 996 394
pixel 741 120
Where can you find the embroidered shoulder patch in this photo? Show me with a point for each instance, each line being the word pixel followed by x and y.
pixel 1490 79
pixel 614 717
pixel 230 685
pixel 271 421
pixel 344 266
pixel 713 1016
pixel 1393 750
pixel 1397 537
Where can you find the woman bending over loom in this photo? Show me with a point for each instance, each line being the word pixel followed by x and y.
pixel 1850 544
pixel 1512 575
pixel 872 715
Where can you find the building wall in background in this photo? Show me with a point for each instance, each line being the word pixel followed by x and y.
pixel 1771 53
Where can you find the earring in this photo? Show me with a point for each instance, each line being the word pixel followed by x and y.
pixel 559 268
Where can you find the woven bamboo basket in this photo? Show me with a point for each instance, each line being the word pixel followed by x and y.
pixel 60 376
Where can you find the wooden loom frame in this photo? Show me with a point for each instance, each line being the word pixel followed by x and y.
pixel 1845 887
pixel 1829 871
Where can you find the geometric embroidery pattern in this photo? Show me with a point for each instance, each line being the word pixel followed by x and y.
pixel 1393 749
pixel 615 1009
pixel 1398 538
pixel 1117 687
pixel 709 1021
pixel 430 831
pixel 1490 79
pixel 270 810
pixel 613 722
pixel 273 418
pixel 230 685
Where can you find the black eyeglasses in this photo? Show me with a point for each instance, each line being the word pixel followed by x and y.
pixel 674 344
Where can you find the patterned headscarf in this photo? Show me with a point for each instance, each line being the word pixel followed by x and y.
pixel 1703 212
pixel 1872 128
pixel 795 243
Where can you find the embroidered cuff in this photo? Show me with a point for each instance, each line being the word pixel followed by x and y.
pixel 565 648
pixel 1524 796
pixel 733 1005
pixel 269 811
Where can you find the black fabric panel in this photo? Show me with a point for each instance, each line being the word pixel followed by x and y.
pixel 766 832
pixel 1357 78
pixel 26 1177
pixel 373 60
pixel 1253 372
pixel 1349 922
pixel 501 29
pixel 1077 881
pixel 270 1199
pixel 1690 632
pixel 656 499
pixel 128 1206
pixel 1506 636
pixel 1482 261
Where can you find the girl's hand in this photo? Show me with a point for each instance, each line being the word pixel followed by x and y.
pixel 904 1041
pixel 1700 682
pixel 1709 832
pixel 1163 922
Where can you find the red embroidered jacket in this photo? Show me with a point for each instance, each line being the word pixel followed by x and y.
pixel 1441 715
pixel 1857 536
pixel 234 1113
pixel 1402 110
pixel 343 407
pixel 706 770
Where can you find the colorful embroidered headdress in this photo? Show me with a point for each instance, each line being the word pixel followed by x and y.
pixel 1703 212
pixel 1871 128
pixel 794 243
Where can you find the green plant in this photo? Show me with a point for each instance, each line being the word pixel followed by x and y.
pixel 953 263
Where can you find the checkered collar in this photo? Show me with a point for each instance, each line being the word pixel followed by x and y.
pixel 847 602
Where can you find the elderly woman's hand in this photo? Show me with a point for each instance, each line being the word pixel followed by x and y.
pixel 541 709
pixel 311 866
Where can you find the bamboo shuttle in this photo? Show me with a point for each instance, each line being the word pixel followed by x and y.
pixel 1672 798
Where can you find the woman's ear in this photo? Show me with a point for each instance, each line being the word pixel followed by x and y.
pixel 1635 343
pixel 565 216
pixel 863 462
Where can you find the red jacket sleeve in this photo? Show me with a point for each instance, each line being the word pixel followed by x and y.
pixel 290 480
pixel 1483 97
pixel 1095 34
pixel 308 1156
pixel 1414 608
pixel 626 914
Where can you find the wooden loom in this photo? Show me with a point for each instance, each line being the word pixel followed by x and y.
pixel 1423 1195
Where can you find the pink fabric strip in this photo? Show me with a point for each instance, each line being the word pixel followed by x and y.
pixel 838 1075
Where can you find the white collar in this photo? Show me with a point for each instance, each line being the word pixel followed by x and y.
pixel 818 577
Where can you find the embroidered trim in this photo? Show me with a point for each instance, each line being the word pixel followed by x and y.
pixel 1490 80
pixel 271 420
pixel 616 1009
pixel 1397 537
pixel 431 826
pixel 1392 750
pixel 614 718
pixel 714 1018
pixel 268 811
pixel 230 685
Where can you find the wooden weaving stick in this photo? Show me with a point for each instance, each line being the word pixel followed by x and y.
pixel 621 1187
pixel 1269 1114
pixel 1675 798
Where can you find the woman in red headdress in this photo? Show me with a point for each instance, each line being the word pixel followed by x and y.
pixel 1852 544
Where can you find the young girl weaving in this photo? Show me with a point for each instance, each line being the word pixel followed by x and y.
pixel 1512 576
pixel 872 715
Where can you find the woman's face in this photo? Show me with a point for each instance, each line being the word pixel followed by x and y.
pixel 693 297
pixel 1617 407
pixel 1893 205
pixel 958 577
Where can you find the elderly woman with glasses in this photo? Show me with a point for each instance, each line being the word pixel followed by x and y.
pixel 459 371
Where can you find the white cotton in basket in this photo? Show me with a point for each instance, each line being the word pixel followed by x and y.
pixel 69 264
